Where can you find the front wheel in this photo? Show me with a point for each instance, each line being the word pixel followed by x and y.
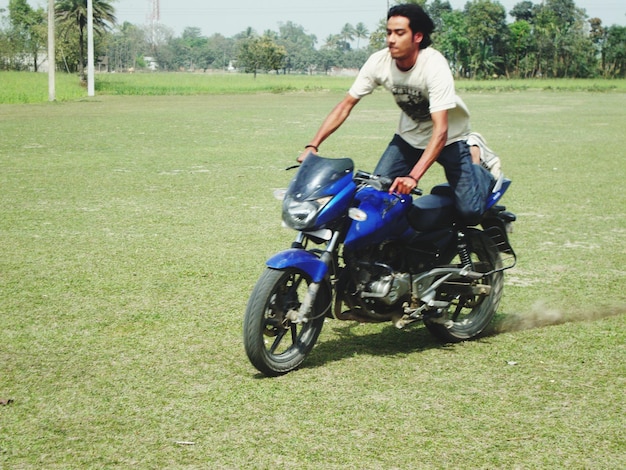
pixel 469 315
pixel 274 343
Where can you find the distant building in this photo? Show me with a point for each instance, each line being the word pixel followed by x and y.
pixel 151 63
pixel 341 72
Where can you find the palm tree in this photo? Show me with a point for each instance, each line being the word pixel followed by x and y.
pixel 332 41
pixel 73 13
pixel 347 33
pixel 361 32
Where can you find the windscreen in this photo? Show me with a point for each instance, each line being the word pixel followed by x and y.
pixel 317 173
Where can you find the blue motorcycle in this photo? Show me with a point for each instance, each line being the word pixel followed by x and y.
pixel 365 255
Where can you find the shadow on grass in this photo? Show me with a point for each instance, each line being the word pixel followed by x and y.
pixel 389 341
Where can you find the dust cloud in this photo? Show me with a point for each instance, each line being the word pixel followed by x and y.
pixel 541 315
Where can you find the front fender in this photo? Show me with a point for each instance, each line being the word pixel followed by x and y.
pixel 301 259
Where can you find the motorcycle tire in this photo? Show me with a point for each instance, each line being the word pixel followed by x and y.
pixel 273 343
pixel 470 316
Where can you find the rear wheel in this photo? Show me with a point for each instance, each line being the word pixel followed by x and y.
pixel 274 343
pixel 469 315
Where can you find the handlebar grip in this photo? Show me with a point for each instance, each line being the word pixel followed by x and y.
pixel 360 174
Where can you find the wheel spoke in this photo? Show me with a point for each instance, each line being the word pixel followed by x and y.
pixel 294 333
pixel 458 309
pixel 279 338
pixel 297 280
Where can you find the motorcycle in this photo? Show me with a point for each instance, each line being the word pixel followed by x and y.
pixel 363 254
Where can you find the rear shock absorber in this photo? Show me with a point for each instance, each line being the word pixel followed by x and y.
pixel 463 250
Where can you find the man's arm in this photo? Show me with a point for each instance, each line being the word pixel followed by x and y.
pixel 332 122
pixel 404 184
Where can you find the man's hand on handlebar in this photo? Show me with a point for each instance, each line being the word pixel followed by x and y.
pixel 403 185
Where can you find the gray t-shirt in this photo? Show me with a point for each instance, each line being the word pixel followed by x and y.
pixel 426 88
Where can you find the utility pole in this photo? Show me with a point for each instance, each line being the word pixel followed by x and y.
pixel 51 53
pixel 90 53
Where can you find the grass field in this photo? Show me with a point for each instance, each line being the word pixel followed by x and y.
pixel 24 87
pixel 134 228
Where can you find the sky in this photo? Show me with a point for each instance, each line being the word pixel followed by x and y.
pixel 319 17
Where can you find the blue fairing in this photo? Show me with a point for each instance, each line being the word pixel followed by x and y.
pixel 386 218
pixel 301 259
pixel 498 191
pixel 338 206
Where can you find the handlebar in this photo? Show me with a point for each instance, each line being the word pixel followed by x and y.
pixel 381 183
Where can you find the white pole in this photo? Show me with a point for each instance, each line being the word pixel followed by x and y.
pixel 90 58
pixel 51 53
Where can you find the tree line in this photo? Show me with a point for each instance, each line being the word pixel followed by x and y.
pixel 550 38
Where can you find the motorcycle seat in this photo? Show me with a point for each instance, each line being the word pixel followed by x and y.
pixel 443 189
pixel 432 212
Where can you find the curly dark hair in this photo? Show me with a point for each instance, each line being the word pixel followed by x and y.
pixel 419 21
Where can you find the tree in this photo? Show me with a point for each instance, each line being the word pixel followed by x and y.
pixel 436 10
pixel 347 35
pixel 520 42
pixel 566 13
pixel 547 38
pixel 523 11
pixel 260 53
pixel 332 41
pixel 223 49
pixel 328 58
pixel 614 51
pixel 197 53
pixel 451 39
pixel 378 38
pixel 28 30
pixel 127 44
pixel 360 32
pixel 564 48
pixel 299 46
pixel 159 39
pixel 486 32
pixel 72 15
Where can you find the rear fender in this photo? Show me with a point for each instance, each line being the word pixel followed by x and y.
pixel 300 259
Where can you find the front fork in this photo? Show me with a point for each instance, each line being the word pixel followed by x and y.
pixel 302 315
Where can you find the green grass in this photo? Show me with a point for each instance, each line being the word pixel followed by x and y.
pixel 215 83
pixel 25 87
pixel 134 228
pixel 550 84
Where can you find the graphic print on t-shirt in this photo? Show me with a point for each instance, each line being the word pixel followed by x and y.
pixel 412 102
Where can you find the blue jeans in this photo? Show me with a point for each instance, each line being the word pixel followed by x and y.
pixel 470 183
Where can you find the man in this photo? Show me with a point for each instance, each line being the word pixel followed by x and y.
pixel 434 123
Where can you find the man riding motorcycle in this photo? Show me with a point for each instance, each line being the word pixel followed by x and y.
pixel 434 122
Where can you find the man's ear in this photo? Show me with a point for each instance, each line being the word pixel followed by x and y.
pixel 417 38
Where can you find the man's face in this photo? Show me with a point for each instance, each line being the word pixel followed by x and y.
pixel 402 43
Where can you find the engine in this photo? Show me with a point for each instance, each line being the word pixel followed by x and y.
pixel 373 284
pixel 387 289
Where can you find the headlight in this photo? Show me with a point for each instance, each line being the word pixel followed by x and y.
pixel 301 215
